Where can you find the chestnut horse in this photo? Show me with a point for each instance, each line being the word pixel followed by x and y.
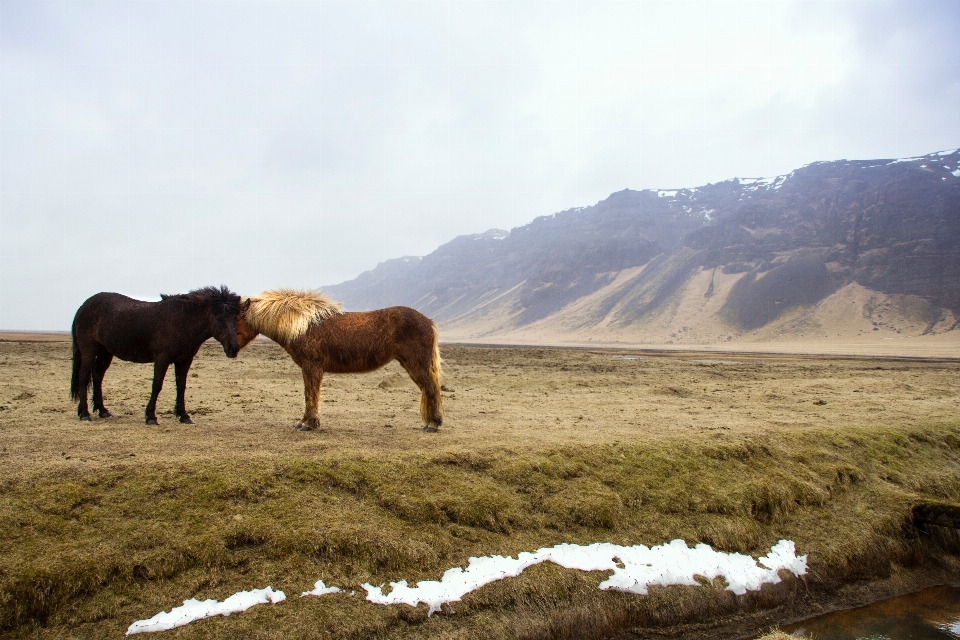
pixel 321 338
pixel 165 332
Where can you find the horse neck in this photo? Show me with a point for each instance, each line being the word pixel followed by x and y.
pixel 196 320
pixel 273 336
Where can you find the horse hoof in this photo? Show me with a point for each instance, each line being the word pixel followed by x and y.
pixel 106 414
pixel 86 418
pixel 430 429
pixel 152 421
pixel 186 420
pixel 301 427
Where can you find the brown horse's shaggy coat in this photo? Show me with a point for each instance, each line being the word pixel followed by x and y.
pixel 321 338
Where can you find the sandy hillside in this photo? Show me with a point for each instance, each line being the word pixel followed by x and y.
pixel 854 320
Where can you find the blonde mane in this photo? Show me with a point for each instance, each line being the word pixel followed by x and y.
pixel 285 314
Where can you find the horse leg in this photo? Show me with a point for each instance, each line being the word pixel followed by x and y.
pixel 181 369
pixel 159 371
pixel 430 403
pixel 104 358
pixel 88 361
pixel 312 379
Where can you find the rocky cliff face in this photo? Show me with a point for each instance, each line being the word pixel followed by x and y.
pixel 715 261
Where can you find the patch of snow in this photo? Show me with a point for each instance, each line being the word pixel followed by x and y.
pixel 956 173
pixel 953 627
pixel 195 610
pixel 752 184
pixel 898 160
pixel 706 214
pixel 493 234
pixel 666 193
pixel 949 152
pixel 320 589
pixel 633 569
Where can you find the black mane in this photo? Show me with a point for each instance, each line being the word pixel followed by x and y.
pixel 221 300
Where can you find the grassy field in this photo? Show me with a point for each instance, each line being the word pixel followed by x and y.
pixel 105 523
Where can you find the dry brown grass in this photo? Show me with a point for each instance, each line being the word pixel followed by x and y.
pixel 105 523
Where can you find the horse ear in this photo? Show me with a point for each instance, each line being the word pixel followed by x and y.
pixel 244 305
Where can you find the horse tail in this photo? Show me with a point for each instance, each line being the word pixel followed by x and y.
pixel 434 371
pixel 75 391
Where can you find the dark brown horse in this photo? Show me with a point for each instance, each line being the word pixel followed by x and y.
pixel 322 339
pixel 165 332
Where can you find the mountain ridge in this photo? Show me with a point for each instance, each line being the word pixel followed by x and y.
pixel 733 260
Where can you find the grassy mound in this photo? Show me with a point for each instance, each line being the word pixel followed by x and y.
pixel 86 554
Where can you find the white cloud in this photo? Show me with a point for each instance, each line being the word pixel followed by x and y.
pixel 338 134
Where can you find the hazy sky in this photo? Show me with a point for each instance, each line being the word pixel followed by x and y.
pixel 158 146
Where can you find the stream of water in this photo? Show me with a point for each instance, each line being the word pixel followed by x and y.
pixel 932 614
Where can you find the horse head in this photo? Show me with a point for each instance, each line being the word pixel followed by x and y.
pixel 224 309
pixel 245 333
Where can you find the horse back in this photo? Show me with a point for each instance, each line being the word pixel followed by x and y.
pixel 131 330
pixel 355 342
